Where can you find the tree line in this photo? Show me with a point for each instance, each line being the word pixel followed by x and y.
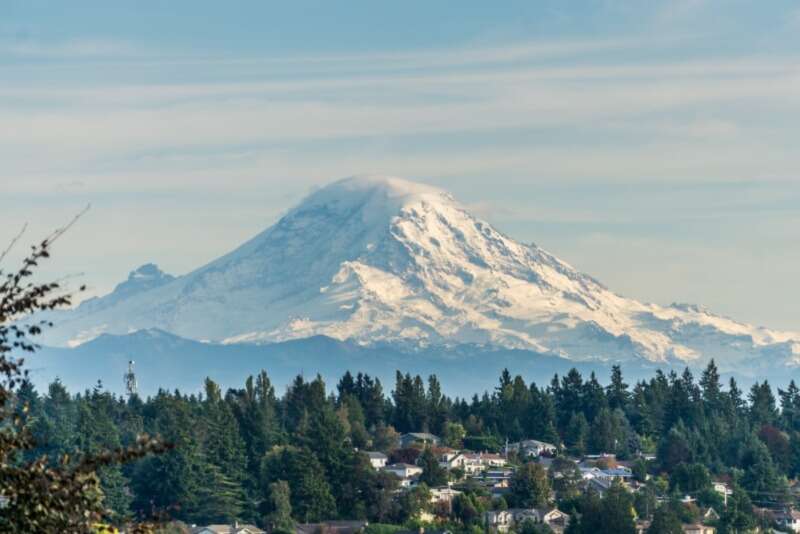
pixel 248 454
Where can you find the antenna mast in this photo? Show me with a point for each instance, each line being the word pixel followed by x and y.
pixel 131 386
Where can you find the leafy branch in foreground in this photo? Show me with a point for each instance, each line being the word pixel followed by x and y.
pixel 44 494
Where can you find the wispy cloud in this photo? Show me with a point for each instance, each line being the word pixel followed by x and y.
pixel 682 118
pixel 25 48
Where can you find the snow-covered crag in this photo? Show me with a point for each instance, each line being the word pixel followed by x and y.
pixel 384 261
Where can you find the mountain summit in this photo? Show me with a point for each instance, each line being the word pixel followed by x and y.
pixel 379 260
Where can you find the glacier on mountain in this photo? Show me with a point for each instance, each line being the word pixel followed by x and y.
pixel 379 260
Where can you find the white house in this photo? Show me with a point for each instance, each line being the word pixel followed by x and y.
pixel 444 494
pixel 236 528
pixel 403 470
pixel 698 528
pixel 488 460
pixel 419 438
pixel 499 520
pixel 588 473
pixel 709 514
pixel 498 475
pixel 406 472
pixel 377 459
pixel 723 489
pixel 555 519
pixel 789 520
pixel 532 447
pixel 505 520
pixel 621 473
pixel 450 459
pixel 472 464
pixel 477 462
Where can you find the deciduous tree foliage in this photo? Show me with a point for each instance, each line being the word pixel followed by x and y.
pixel 48 489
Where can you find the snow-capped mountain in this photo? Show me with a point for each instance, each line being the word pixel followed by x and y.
pixel 378 260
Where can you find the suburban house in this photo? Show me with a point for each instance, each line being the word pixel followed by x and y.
pixel 418 438
pixel 599 485
pixel 488 459
pixel 723 489
pixel 332 527
pixel 709 514
pixel 698 528
pixel 789 520
pixel 444 494
pixel 555 519
pixel 532 447
pixel 403 470
pixel 588 473
pixel 407 473
pixel 472 462
pixel 505 520
pixel 450 459
pixel 236 528
pixel 600 456
pixel 495 476
pixel 377 459
pixel 693 528
pixel 621 473
pixel 500 520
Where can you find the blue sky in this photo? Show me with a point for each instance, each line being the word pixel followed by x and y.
pixel 653 145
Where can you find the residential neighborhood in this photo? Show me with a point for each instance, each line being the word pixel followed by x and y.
pixel 492 473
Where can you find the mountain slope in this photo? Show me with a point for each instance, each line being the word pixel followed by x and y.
pixel 384 261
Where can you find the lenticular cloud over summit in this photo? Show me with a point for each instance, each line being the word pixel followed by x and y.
pixel 378 260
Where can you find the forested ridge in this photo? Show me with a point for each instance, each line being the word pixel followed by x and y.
pixel 248 454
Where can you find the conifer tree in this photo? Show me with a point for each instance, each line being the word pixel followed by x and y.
pixel 529 487
pixel 605 433
pixel 710 386
pixel 97 431
pixel 219 499
pixel 171 482
pixel 222 441
pixel 436 406
pixel 311 496
pixel 762 405
pixel 617 391
pixel 54 431
pixel 576 436
pixel 665 521
pixel 279 519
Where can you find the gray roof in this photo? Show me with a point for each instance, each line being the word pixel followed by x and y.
pixel 376 455
pixel 401 466
pixel 600 483
pixel 420 435
pixel 531 443
pixel 229 529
